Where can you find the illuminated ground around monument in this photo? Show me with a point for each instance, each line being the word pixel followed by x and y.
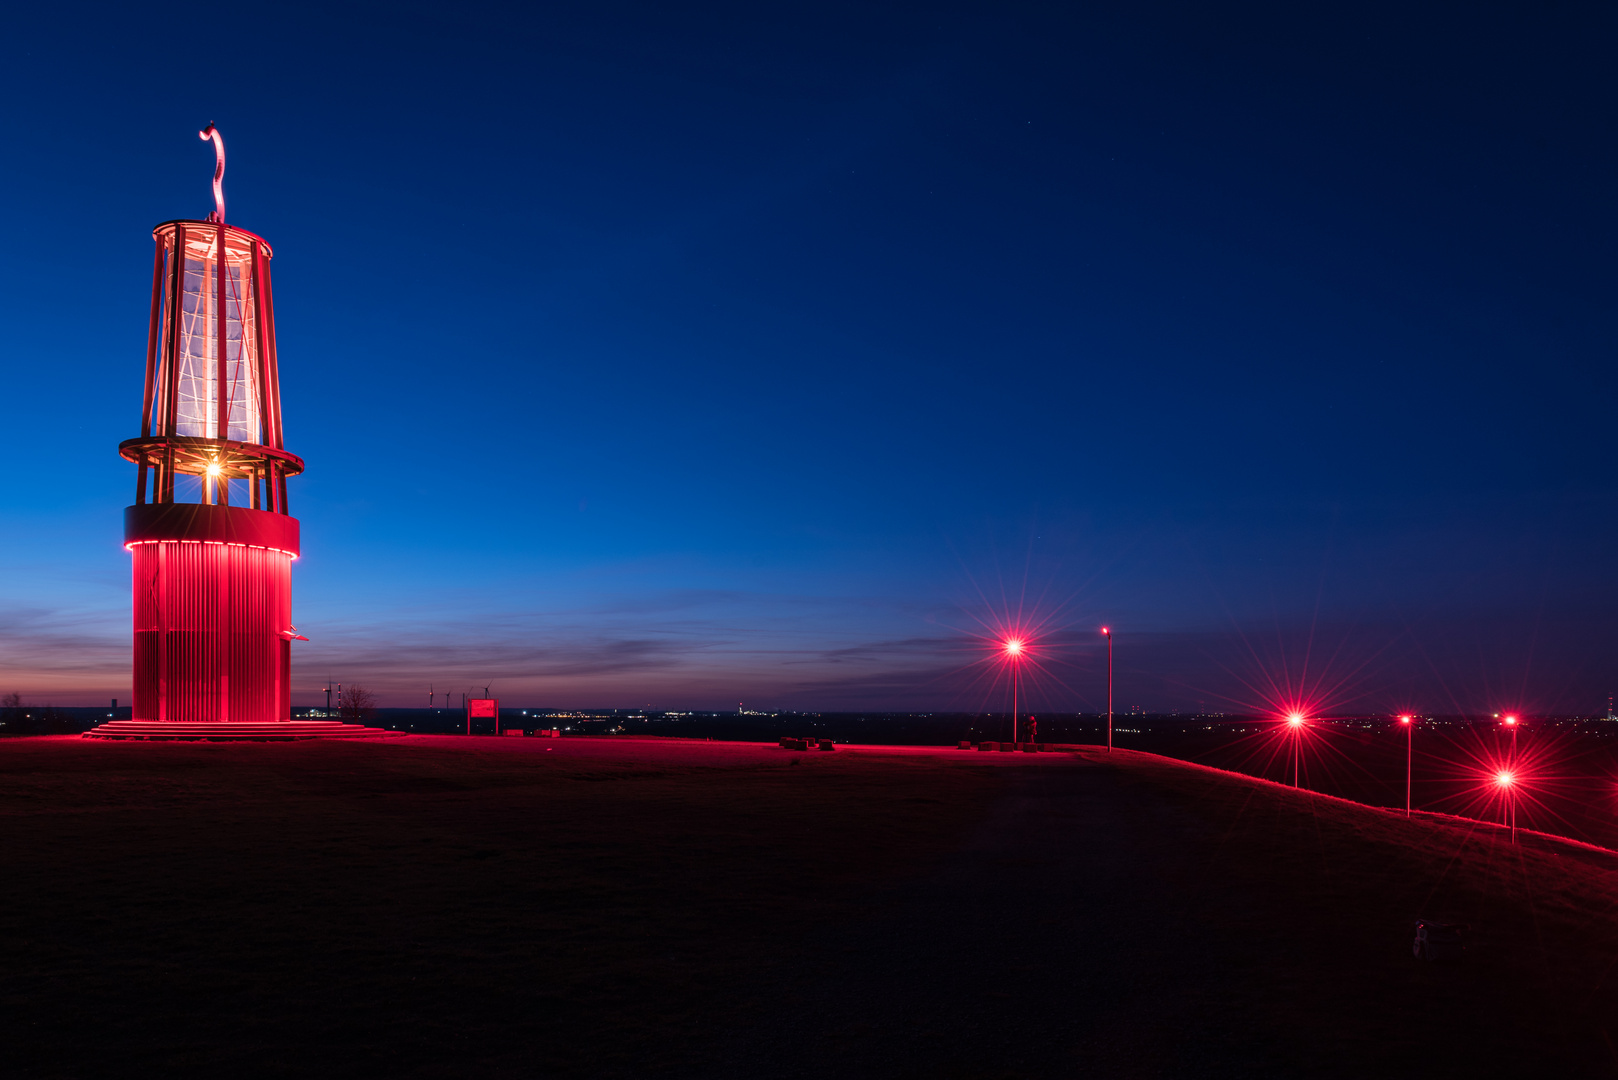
pixel 451 906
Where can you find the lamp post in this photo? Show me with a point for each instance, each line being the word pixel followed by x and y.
pixel 1295 722
pixel 1508 784
pixel 1511 726
pixel 1410 743
pixel 1106 632
pixel 1014 651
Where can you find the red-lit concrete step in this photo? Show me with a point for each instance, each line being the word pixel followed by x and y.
pixel 285 729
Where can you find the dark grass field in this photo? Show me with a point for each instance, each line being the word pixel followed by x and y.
pixel 440 906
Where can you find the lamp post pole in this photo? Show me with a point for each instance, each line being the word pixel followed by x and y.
pixel 1107 632
pixel 1511 771
pixel 1016 671
pixel 1295 722
pixel 1013 649
pixel 1410 743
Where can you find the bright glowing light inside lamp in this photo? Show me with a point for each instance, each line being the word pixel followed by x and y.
pixel 1404 719
pixel 1014 647
pixel 1296 719
pixel 1511 721
pixel 1504 778
pixel 213 469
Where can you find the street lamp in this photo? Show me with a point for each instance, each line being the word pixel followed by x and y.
pixel 1295 722
pixel 1014 653
pixel 1511 726
pixel 1508 786
pixel 1410 743
pixel 1107 633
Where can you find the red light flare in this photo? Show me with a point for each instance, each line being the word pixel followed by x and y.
pixel 1292 743
pixel 1017 666
pixel 1306 678
pixel 1024 641
pixel 1282 748
pixel 1482 776
pixel 1021 649
pixel 1289 675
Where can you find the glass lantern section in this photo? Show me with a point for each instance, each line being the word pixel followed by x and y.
pixel 213 352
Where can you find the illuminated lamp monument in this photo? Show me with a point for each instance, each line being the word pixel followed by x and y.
pixel 210 535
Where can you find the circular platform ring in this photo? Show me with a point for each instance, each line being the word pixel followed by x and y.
pixel 237 731
pixel 198 522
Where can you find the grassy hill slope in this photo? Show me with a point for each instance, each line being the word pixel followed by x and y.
pixel 441 907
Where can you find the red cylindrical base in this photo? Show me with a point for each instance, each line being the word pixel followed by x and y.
pixel 211 622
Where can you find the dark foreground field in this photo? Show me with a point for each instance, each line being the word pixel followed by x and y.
pixel 434 906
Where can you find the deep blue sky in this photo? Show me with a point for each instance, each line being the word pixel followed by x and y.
pixel 687 355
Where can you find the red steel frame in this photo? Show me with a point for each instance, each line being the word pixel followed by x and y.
pixel 212 590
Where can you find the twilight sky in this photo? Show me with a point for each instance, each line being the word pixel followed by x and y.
pixel 682 355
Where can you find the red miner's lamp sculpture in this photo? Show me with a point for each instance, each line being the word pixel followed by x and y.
pixel 210 535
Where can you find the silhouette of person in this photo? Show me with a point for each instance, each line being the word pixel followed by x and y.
pixel 1033 729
